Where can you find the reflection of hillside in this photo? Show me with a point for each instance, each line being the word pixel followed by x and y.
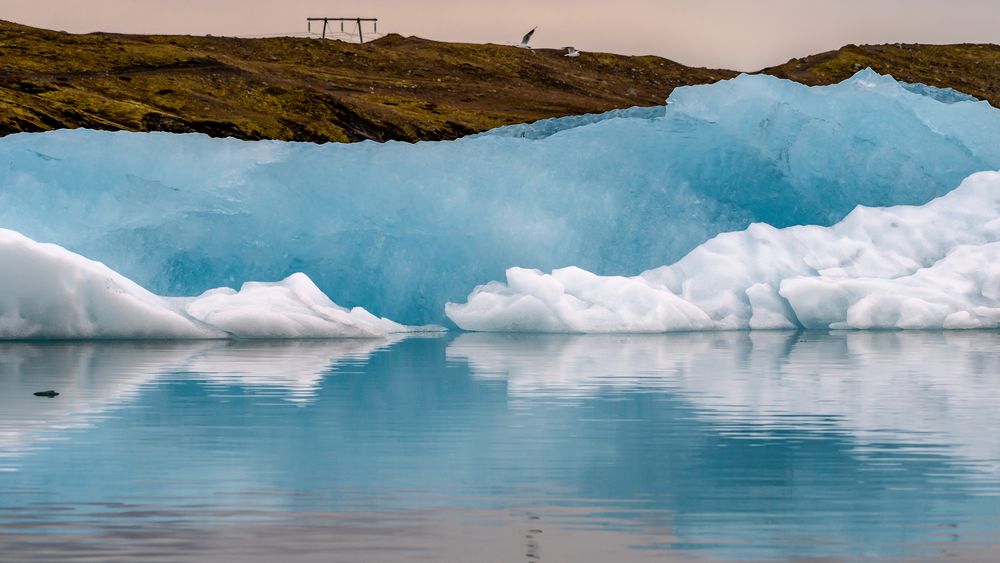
pixel 882 387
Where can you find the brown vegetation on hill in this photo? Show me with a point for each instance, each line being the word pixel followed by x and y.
pixel 970 68
pixel 394 88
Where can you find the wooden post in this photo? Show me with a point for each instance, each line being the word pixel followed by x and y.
pixel 361 38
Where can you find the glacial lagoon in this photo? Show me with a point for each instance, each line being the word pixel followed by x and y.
pixel 769 445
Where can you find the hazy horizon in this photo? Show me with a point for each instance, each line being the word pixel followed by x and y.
pixel 721 33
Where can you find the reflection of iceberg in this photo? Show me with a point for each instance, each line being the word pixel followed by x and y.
pixel 574 366
pixel 403 228
pixel 47 291
pixel 95 379
pixel 293 369
pixel 880 387
pixel 910 267
pixel 936 389
pixel 690 431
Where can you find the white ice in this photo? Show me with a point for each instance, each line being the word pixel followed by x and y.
pixel 935 266
pixel 49 292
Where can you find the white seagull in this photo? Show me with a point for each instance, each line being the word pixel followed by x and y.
pixel 571 52
pixel 526 38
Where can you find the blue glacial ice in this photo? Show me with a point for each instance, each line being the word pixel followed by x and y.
pixel 401 229
pixel 946 95
pixel 548 127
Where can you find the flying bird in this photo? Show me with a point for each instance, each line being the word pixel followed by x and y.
pixel 571 52
pixel 526 38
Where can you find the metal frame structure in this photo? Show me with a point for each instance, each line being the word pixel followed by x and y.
pixel 326 22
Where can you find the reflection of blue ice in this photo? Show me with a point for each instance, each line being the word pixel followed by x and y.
pixel 747 445
pixel 879 387
pixel 95 380
pixel 401 229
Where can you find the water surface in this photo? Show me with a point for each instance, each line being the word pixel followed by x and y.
pixel 723 446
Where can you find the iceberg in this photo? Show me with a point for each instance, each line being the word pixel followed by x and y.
pixel 401 229
pixel 49 292
pixel 935 266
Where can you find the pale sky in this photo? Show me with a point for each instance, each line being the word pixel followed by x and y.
pixel 739 34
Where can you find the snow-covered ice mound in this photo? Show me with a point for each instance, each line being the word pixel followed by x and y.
pixel 907 267
pixel 49 292
pixel 403 228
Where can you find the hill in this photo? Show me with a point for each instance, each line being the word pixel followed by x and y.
pixel 970 68
pixel 393 88
pixel 401 88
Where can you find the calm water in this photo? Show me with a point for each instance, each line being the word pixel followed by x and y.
pixel 476 447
